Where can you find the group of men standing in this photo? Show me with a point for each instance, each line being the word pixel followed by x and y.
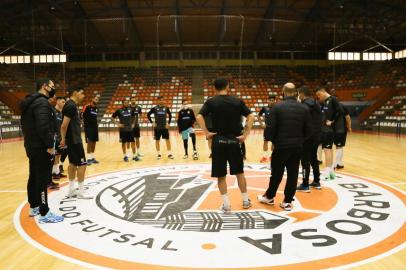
pixel 296 126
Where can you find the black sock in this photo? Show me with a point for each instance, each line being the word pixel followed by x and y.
pixel 193 136
pixel 185 146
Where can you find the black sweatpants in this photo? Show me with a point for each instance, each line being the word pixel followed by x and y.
pixel 40 164
pixel 281 158
pixel 309 158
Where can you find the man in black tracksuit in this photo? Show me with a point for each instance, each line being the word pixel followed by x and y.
pixel 290 126
pixel 186 119
pixel 38 125
pixel 309 152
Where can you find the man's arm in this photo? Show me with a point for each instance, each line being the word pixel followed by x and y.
pixel 248 125
pixel 64 129
pixel 168 112
pixel 348 122
pixel 274 124
pixel 202 124
pixel 42 114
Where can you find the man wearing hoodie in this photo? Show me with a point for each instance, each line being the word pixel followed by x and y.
pixel 309 150
pixel 37 121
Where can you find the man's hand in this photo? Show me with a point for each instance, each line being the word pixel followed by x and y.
pixel 328 122
pixel 154 125
pixel 166 126
pixel 263 125
pixel 349 129
pixel 241 138
pixel 50 151
pixel 62 143
pixel 210 135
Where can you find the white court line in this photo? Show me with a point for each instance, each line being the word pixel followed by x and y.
pixel 12 191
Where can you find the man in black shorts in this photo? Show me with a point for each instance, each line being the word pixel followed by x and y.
pixel 137 112
pixel 331 110
pixel 264 116
pixel 226 112
pixel 71 138
pixel 125 122
pixel 186 119
pixel 91 127
pixel 341 127
pixel 161 126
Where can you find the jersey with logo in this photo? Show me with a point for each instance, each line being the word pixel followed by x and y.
pixel 125 115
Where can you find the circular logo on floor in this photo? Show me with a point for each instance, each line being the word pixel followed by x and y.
pixel 168 216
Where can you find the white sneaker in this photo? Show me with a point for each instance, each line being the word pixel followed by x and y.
pixel 265 200
pixel 81 195
pixel 72 193
pixel 185 156
pixel 225 210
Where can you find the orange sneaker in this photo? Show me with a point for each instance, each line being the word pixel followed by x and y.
pixel 263 160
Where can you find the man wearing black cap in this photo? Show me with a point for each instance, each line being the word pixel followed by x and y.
pixel 290 126
pixel 226 113
pixel 37 121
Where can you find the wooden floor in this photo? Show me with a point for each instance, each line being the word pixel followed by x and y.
pixel 377 157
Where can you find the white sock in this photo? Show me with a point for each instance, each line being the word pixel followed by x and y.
pixel 158 152
pixel 339 156
pixel 327 170
pixel 226 200
pixel 265 154
pixel 319 153
pixel 244 196
pixel 125 155
pixel 81 186
pixel 269 154
pixel 71 184
pixel 56 168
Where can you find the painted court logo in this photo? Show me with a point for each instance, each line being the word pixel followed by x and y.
pixel 167 217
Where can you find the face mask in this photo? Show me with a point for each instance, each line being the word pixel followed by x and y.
pixel 52 92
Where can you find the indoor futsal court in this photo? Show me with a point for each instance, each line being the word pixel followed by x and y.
pixel 141 134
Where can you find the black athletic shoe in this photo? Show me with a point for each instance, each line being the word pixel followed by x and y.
pixel 315 185
pixel 338 167
pixel 320 162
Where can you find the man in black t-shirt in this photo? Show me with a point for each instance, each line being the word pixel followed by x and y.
pixel 161 125
pixel 341 126
pixel 72 139
pixel 137 112
pixel 265 114
pixel 186 120
pixel 125 122
pixel 331 111
pixel 226 113
pixel 89 116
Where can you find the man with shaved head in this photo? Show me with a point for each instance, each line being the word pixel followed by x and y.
pixel 290 126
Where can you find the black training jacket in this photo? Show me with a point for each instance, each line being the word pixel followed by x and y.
pixel 291 124
pixel 38 122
